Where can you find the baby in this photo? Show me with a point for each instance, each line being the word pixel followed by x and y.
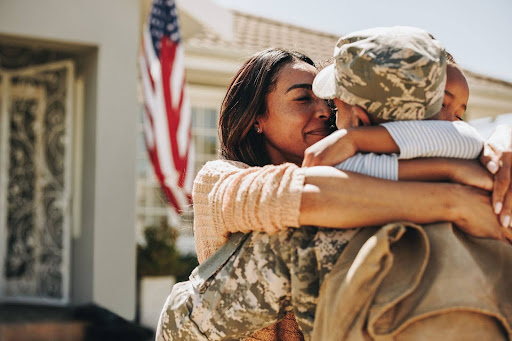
pixel 456 93
pixel 390 74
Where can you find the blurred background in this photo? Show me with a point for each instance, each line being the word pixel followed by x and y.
pixel 87 236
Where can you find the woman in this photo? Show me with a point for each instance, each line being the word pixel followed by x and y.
pixel 268 118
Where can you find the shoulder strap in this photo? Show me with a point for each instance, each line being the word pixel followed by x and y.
pixel 213 264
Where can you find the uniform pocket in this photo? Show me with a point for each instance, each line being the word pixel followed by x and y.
pixel 175 322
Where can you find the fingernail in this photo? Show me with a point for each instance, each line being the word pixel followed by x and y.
pixel 497 207
pixel 492 167
pixel 506 221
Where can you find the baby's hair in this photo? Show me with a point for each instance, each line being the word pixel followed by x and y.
pixel 450 61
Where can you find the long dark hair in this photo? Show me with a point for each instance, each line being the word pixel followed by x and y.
pixel 246 99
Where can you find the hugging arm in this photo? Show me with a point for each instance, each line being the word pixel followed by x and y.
pixel 338 199
pixel 238 198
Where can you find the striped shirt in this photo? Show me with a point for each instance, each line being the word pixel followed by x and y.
pixel 418 139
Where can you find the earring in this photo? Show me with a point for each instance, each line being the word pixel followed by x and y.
pixel 258 130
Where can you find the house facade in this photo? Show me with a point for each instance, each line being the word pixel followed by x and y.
pixel 67 152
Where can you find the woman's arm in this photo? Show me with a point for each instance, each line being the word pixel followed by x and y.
pixel 232 197
pixel 338 199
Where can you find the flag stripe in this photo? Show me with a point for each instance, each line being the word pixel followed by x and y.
pixel 168 133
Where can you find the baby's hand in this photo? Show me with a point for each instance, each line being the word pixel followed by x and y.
pixel 331 150
pixel 471 173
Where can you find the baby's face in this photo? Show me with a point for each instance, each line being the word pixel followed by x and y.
pixel 456 95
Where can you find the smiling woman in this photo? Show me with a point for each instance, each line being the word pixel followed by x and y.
pixel 272 85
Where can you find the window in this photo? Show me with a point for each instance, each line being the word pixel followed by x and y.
pixel 204 129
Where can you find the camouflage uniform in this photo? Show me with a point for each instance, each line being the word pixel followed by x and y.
pixel 263 279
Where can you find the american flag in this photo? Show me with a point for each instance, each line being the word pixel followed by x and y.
pixel 167 119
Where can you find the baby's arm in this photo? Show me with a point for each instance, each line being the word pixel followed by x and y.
pixel 411 139
pixel 435 139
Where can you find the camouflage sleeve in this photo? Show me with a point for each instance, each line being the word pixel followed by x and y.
pixel 260 283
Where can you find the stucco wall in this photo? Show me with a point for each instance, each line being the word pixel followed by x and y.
pixel 103 266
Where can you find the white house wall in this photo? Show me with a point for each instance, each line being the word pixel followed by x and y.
pixel 104 245
pixel 488 99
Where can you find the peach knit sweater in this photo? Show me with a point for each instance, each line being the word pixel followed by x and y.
pixel 230 197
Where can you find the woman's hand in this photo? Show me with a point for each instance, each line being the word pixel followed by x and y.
pixel 331 150
pixel 476 217
pixel 497 157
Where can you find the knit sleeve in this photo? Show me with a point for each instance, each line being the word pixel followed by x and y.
pixel 234 197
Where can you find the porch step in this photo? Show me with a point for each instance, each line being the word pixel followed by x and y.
pixel 43 331
pixel 22 322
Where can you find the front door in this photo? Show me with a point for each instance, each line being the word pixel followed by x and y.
pixel 35 183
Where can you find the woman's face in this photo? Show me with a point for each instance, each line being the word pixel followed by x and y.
pixel 295 117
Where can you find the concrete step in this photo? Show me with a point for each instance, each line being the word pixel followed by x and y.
pixel 43 331
pixel 23 322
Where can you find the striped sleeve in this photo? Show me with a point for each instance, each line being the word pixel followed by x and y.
pixel 435 139
pixel 379 166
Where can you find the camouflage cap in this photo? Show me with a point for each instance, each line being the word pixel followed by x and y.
pixel 395 73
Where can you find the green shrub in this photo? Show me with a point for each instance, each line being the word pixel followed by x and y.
pixel 160 257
